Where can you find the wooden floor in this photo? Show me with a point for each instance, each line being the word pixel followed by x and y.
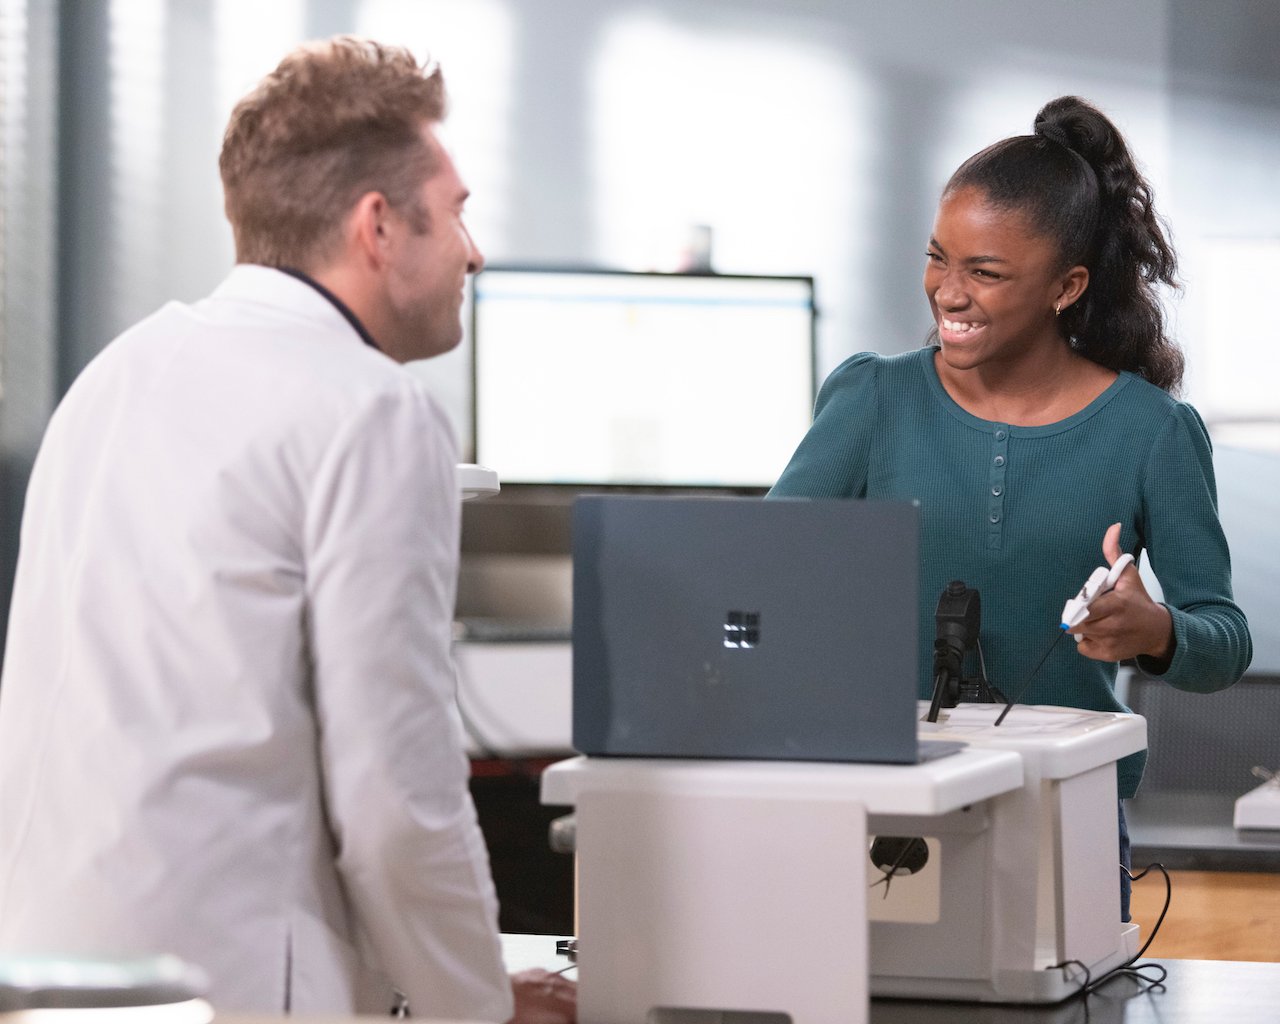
pixel 1213 915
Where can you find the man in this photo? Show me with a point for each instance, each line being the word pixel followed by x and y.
pixel 227 722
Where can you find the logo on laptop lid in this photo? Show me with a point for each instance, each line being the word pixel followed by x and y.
pixel 741 629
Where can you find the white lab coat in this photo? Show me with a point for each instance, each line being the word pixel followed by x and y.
pixel 227 717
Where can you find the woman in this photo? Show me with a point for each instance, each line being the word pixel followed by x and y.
pixel 1039 422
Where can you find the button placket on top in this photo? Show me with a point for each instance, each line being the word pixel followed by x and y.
pixel 996 489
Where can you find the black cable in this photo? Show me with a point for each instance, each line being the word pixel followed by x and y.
pixel 887 878
pixel 1078 963
pixel 1127 969
pixel 1135 973
pixel 1168 898
pixel 1138 973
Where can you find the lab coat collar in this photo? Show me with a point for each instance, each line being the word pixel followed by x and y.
pixel 348 314
pixel 253 283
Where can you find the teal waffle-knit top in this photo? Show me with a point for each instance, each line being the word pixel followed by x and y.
pixel 1019 513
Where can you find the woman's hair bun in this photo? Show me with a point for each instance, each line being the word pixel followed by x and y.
pixel 1052 131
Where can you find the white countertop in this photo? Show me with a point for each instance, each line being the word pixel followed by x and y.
pixel 936 787
pixel 1055 742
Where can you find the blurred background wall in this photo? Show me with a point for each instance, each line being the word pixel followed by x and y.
pixel 811 136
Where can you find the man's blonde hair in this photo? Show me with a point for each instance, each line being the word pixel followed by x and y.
pixel 334 121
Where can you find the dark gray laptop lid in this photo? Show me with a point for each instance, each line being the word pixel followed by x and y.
pixel 744 628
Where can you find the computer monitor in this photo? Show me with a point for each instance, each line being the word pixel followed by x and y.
pixel 609 378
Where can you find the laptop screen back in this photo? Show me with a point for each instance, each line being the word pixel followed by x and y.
pixel 744 628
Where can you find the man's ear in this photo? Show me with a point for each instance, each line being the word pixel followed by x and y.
pixel 368 226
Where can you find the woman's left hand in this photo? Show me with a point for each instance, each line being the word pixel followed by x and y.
pixel 1124 622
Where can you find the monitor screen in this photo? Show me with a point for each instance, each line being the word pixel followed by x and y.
pixel 640 379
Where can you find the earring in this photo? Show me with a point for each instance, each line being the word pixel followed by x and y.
pixel 1057 309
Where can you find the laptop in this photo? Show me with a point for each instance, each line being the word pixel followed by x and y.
pixel 748 629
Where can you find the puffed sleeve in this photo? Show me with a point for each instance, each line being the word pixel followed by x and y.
pixel 831 460
pixel 382 548
pixel 1189 556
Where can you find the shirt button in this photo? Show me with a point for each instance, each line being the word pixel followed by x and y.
pixel 999 460
pixel 997 491
pixel 995 517
pixel 1000 435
